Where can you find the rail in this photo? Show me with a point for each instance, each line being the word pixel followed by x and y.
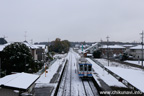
pixel 91 84
pixel 56 91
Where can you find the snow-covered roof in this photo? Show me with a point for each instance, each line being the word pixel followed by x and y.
pixel 113 46
pixel 89 54
pixel 40 46
pixel 3 46
pixel 19 80
pixel 91 46
pixel 137 47
pixel 27 44
pixel 80 51
pixel 30 45
pixel 128 45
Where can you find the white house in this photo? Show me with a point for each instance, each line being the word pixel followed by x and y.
pixel 92 48
pixel 136 52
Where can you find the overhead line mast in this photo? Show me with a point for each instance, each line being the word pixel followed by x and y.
pixel 107 49
pixel 142 45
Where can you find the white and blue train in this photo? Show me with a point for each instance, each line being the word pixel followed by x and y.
pixel 84 68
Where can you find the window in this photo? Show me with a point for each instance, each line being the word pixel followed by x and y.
pixel 81 67
pixel 85 67
pixel 89 68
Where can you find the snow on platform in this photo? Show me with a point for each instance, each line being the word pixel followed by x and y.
pixel 19 80
pixel 135 77
pixel 51 71
pixel 134 62
pixel 105 76
pixel 47 83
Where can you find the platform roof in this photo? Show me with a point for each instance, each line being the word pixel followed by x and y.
pixel 18 80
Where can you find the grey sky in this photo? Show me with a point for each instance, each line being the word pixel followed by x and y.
pixel 75 20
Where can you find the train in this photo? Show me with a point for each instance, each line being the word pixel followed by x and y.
pixel 84 68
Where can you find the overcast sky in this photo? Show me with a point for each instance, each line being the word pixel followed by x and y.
pixel 74 20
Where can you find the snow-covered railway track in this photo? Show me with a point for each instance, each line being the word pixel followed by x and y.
pixel 71 84
pixel 65 86
pixel 89 87
pixel 65 81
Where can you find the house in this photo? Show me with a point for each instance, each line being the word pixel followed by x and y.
pixel 19 84
pixel 89 51
pixel 41 52
pixel 2 55
pixel 2 41
pixel 92 48
pixel 32 49
pixel 38 51
pixel 113 50
pixel 2 47
pixel 136 52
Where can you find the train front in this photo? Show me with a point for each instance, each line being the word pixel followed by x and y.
pixel 84 68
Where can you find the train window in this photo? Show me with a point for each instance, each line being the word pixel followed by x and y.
pixel 85 67
pixel 89 68
pixel 81 67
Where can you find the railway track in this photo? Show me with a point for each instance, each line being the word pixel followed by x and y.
pixel 66 81
pixel 72 85
pixel 89 87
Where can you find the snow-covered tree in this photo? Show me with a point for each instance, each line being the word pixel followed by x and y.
pixel 18 58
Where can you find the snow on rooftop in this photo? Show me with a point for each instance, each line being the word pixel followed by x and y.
pixel 40 46
pixel 112 46
pixel 2 47
pixel 91 46
pixel 128 45
pixel 19 80
pixel 137 47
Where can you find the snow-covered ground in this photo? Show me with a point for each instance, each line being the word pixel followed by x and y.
pixel 134 62
pixel 133 75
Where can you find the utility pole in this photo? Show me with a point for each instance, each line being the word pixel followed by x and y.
pixel 107 49
pixel 142 46
pixel 25 35
pixel 32 41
